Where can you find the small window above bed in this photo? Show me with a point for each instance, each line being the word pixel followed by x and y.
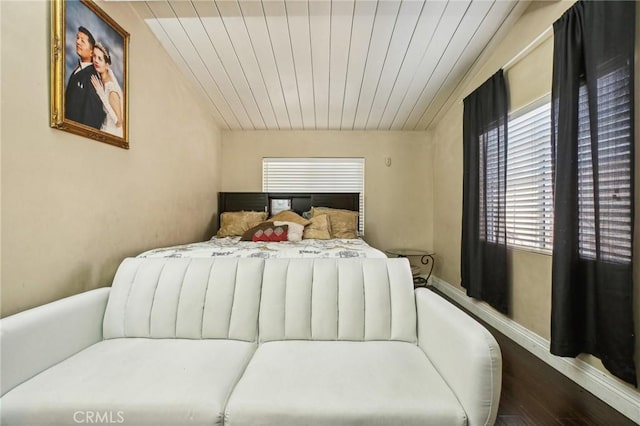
pixel 315 175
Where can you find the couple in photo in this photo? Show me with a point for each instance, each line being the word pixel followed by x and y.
pixel 93 96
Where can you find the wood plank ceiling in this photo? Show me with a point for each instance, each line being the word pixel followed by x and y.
pixel 322 64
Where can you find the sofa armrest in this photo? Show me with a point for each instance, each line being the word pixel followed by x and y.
pixel 465 354
pixel 36 339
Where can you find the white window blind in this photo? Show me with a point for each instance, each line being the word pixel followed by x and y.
pixel 605 197
pixel 315 175
pixel 492 188
pixel 529 206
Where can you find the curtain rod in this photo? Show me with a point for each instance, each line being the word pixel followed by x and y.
pixel 524 52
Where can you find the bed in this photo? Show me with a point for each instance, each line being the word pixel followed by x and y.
pixel 273 204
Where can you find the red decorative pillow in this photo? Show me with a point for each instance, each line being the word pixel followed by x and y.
pixel 266 231
pixel 275 234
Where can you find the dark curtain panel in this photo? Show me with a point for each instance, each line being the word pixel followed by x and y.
pixel 484 247
pixel 593 152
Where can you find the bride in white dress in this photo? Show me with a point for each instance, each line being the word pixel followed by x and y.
pixel 108 90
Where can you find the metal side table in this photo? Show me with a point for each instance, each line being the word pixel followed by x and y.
pixel 426 258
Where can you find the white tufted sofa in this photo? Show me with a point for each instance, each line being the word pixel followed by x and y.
pixel 226 341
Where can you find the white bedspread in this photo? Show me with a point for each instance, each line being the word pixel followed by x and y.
pixel 233 247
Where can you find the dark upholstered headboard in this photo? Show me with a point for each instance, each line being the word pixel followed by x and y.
pixel 300 202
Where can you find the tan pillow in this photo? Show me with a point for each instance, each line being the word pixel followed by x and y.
pixel 236 223
pixel 344 223
pixel 289 216
pixel 319 228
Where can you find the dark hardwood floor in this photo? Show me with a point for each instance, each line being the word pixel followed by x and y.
pixel 533 393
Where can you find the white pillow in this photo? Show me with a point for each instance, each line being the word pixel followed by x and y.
pixel 295 230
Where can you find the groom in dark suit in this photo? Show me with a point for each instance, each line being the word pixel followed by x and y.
pixel 82 103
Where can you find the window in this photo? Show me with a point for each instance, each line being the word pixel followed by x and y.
pixel 529 177
pixel 492 185
pixel 529 206
pixel 315 175
pixel 606 225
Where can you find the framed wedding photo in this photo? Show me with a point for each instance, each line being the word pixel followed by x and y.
pixel 89 73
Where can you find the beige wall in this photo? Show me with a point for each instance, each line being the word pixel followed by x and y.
pixel 398 198
pixel 528 79
pixel 73 208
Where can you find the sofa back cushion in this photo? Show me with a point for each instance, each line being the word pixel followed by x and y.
pixel 337 299
pixel 209 298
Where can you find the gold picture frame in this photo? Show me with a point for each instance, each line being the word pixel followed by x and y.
pixel 78 101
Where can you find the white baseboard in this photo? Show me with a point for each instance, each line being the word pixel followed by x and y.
pixel 622 397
